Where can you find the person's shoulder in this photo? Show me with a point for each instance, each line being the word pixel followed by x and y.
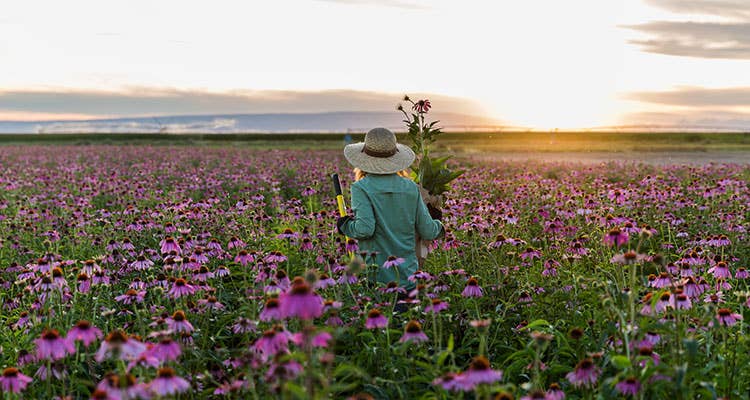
pixel 362 183
pixel 407 184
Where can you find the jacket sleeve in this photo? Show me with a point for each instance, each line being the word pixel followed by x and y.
pixel 427 228
pixel 362 226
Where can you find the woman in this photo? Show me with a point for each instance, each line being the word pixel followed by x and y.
pixel 388 208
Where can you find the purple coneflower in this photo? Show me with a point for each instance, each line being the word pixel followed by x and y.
pixel 300 301
pixel 692 288
pixel 616 237
pixel 13 381
pixel 666 300
pixel 51 346
pixel 118 344
pixel 627 258
pixel 499 241
pixel 203 274
pixel 453 382
pixel 271 311
pixel 422 106
pixel 112 387
pixel 726 317
pixel 720 271
pixel 222 271
pixel 179 323
pixel 85 332
pixel 306 244
pixel 393 261
pixel 662 281
pixel 682 301
pixel 166 350
pixel 629 386
pixel 235 243
pixel 576 247
pixel 393 287
pixel 652 338
pixel 131 296
pixel 214 245
pixel 334 319
pixel 275 257
pixel 181 288
pixel 436 306
pixel 472 288
pixel 211 303
pixel 84 283
pixel 586 373
pixel 413 333
pixel 555 392
pixel 648 352
pixel 272 342
pixel 324 281
pixel 420 275
pixel 167 383
pixel 525 298
pixel 169 245
pixel 319 339
pixel 714 298
pixel 685 270
pixel 244 325
pixel 480 372
pixel 376 320
pixel 127 244
pixel 536 394
pixel 288 233
pixel 530 253
pixel 285 370
pixel 243 258
pixel 351 246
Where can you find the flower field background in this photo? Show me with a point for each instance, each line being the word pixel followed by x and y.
pixel 155 272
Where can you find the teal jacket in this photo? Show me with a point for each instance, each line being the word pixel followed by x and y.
pixel 388 212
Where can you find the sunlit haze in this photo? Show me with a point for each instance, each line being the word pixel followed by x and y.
pixel 532 63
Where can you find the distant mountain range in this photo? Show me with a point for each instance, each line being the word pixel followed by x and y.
pixel 247 123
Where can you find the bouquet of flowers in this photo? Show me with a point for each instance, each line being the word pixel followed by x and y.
pixel 431 174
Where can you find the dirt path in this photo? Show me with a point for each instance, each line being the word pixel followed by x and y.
pixel 656 158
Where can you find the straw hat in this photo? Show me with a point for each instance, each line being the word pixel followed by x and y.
pixel 379 153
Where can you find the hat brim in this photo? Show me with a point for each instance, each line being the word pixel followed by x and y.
pixel 400 161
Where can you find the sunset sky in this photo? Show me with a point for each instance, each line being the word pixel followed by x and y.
pixel 536 63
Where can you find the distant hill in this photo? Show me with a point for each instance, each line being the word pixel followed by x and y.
pixel 249 123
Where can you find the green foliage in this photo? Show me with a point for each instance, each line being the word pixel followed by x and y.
pixel 434 175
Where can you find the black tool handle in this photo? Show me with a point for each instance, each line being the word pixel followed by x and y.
pixel 336 184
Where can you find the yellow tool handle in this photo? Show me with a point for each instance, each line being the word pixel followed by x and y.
pixel 340 202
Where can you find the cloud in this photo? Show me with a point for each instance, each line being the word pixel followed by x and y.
pixel 696 97
pixel 387 3
pixel 159 101
pixel 695 107
pixel 696 39
pixel 734 9
pixel 706 120
pixel 723 32
pixel 214 125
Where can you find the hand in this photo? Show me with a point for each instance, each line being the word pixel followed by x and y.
pixel 435 213
pixel 341 221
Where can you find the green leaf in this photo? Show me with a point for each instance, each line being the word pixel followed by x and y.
pixel 620 362
pixel 537 323
pixel 296 390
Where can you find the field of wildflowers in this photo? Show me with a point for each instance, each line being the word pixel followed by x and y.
pixel 146 272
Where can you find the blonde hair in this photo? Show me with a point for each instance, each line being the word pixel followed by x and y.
pixel 359 174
